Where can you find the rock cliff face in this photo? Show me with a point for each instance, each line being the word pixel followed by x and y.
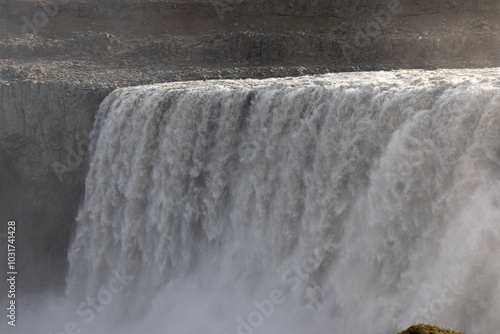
pixel 350 9
pixel 338 8
pixel 297 8
pixel 43 156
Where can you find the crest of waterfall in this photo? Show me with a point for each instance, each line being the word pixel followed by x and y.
pixel 351 203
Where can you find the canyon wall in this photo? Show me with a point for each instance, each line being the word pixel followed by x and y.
pixel 43 158
pixel 338 8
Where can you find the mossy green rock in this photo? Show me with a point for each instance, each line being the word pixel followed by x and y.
pixel 427 329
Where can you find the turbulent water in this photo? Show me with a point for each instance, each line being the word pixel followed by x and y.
pixel 343 203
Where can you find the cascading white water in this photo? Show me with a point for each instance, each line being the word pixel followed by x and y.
pixel 343 203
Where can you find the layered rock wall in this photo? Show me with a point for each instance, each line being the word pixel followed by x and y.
pixel 43 158
pixel 336 8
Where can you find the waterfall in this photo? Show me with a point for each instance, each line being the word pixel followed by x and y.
pixel 344 203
